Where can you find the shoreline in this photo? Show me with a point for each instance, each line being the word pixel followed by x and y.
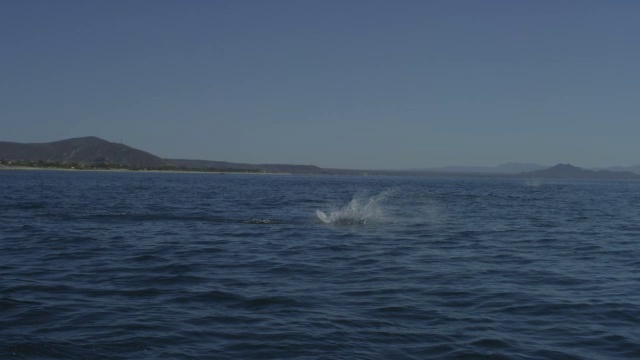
pixel 346 173
pixel 33 168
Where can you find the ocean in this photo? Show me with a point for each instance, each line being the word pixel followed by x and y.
pixel 138 265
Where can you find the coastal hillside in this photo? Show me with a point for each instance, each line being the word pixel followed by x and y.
pixel 92 151
pixel 634 169
pixel 87 150
pixel 224 165
pixel 507 168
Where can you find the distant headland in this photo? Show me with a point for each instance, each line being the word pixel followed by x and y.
pixel 93 153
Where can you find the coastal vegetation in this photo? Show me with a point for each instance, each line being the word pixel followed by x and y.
pixel 41 164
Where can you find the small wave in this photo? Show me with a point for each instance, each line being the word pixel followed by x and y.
pixel 358 211
pixel 260 221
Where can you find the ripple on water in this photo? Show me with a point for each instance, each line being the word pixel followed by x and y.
pixel 131 266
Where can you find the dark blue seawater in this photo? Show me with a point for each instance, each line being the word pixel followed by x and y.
pixel 107 265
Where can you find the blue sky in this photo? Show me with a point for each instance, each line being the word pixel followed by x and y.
pixel 350 84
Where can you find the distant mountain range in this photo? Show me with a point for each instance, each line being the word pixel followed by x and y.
pixel 95 152
pixel 508 168
pixel 634 169
pixel 521 168
pixel 566 171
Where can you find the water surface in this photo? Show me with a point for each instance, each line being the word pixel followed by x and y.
pixel 129 265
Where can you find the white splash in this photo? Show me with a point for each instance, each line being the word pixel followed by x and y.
pixel 534 183
pixel 358 211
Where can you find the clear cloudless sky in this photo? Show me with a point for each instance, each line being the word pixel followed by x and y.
pixel 335 83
